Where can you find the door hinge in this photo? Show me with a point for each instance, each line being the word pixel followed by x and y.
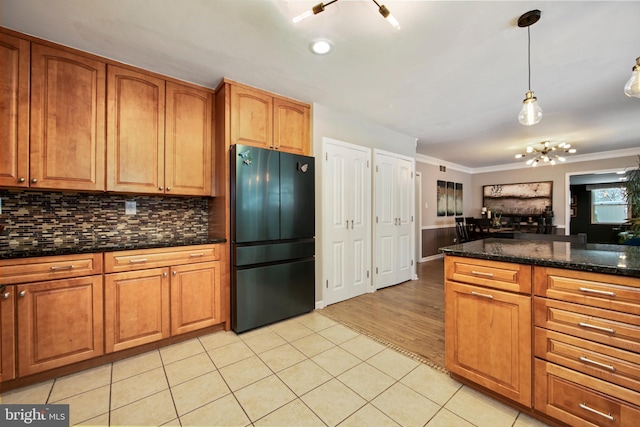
pixel 411 174
pixel 412 262
pixel 367 274
pixel 327 284
pixel 376 219
pixel 376 270
pixel 367 163
pixel 326 155
pixel 376 168
pixel 411 218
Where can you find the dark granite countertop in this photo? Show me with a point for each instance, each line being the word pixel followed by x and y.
pixel 91 246
pixel 599 258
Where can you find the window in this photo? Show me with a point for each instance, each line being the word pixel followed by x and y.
pixel 608 204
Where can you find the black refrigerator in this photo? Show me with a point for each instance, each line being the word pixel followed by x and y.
pixel 272 236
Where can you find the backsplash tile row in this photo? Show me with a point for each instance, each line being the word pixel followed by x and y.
pixel 50 219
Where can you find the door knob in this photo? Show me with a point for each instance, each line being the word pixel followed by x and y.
pixel 34 180
pixel 22 293
pixel 20 179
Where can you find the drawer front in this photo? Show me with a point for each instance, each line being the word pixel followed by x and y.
pixel 578 399
pixel 603 326
pixel 604 362
pixel 495 274
pixel 115 262
pixel 25 270
pixel 598 290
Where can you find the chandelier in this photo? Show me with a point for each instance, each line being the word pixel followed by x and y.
pixel 547 153
pixel 384 11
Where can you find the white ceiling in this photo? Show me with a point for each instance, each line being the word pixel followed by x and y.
pixel 453 76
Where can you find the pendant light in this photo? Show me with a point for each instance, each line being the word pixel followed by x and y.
pixel 632 88
pixel 531 112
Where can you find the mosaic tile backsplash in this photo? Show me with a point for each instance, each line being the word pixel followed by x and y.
pixel 49 219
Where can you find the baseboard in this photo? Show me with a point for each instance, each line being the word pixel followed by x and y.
pixel 432 257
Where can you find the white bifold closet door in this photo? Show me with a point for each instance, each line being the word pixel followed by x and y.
pixel 346 229
pixel 393 218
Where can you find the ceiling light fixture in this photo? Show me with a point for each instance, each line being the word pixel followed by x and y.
pixel 632 88
pixel 531 112
pixel 384 11
pixel 321 47
pixel 547 153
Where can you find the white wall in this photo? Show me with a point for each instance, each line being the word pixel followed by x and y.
pixel 334 124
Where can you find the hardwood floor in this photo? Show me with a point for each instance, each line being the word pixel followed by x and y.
pixel 409 315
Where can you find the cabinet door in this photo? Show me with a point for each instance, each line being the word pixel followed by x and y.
pixel 14 117
pixel 136 308
pixel 290 127
pixel 59 323
pixel 7 333
pixel 67 120
pixel 251 117
pixel 188 143
pixel 135 131
pixel 195 296
pixel 488 339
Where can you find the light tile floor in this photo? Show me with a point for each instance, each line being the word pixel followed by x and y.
pixel 306 371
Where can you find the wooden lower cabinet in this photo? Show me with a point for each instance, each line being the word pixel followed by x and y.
pixel 59 322
pixel 7 333
pixel 136 308
pixel 488 339
pixel 195 297
pixel 578 399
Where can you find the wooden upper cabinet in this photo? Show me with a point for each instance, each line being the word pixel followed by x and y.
pixel 291 126
pixel 251 117
pixel 67 143
pixel 135 131
pixel 14 117
pixel 188 140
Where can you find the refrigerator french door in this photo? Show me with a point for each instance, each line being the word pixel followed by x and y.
pixel 272 236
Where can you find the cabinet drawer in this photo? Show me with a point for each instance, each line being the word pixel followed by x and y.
pixel 495 274
pixel 579 399
pixel 25 270
pixel 604 362
pixel 604 326
pixel 594 289
pixel 115 262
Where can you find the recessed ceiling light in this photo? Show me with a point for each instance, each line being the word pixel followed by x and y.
pixel 321 47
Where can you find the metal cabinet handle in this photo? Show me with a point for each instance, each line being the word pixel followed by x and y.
pixel 598 328
pixel 137 261
pixel 168 188
pixel 61 267
pixel 20 179
pixel 597 291
pixel 196 255
pixel 481 273
pixel 601 365
pixel 595 411
pixel 6 295
pixel 164 274
pixel 34 180
pixel 160 188
pixel 22 293
pixel 175 272
pixel 478 294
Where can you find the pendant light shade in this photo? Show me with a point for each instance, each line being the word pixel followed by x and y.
pixel 632 88
pixel 531 113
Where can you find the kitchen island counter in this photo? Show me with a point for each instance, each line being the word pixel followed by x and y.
pixel 599 258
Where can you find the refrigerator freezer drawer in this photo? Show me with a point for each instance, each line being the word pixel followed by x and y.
pixel 274 252
pixel 268 294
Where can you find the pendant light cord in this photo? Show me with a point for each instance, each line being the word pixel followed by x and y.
pixel 529 53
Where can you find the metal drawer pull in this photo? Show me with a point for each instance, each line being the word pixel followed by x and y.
pixel 478 294
pixel 135 261
pixel 61 267
pixel 599 328
pixel 595 411
pixel 596 291
pixel 196 255
pixel 481 273
pixel 601 365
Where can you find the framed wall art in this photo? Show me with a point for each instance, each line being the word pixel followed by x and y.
pixel 442 198
pixel 529 198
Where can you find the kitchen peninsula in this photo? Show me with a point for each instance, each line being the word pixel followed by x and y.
pixel 551 327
